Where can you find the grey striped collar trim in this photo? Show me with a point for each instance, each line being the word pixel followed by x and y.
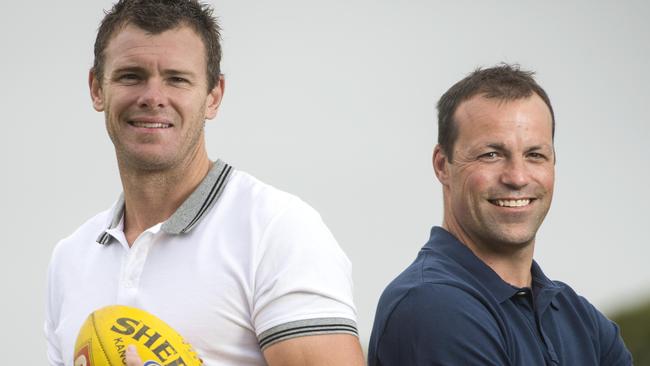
pixel 190 212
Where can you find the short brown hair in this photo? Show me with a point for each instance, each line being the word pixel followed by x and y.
pixel 157 16
pixel 504 81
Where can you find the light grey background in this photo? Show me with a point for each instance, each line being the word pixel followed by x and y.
pixel 334 101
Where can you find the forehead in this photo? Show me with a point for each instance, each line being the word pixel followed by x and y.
pixel 490 120
pixel 179 46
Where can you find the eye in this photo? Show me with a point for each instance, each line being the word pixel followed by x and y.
pixel 178 80
pixel 537 156
pixel 129 78
pixel 489 156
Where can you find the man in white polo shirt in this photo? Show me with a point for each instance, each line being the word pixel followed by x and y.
pixel 248 274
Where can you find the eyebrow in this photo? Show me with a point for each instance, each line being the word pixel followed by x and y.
pixel 540 147
pixel 135 69
pixel 497 146
pixel 502 147
pixel 142 70
pixel 178 72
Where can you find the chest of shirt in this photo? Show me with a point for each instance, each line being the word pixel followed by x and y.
pixel 558 335
pixel 202 288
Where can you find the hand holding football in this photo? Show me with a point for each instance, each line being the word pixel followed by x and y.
pixel 106 333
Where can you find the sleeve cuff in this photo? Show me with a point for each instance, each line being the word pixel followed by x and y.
pixel 307 327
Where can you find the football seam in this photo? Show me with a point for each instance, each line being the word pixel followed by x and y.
pixel 99 341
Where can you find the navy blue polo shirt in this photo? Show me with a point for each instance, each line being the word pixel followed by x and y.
pixel 450 308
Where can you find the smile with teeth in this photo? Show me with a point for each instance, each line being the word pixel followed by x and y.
pixel 512 203
pixel 149 124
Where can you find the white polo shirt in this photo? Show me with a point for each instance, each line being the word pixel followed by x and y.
pixel 239 266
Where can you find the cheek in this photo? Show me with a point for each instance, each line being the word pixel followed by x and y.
pixel 189 107
pixel 116 104
pixel 468 190
pixel 549 184
pixel 546 178
pixel 474 184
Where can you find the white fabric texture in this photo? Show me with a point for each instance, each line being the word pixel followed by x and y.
pixel 259 258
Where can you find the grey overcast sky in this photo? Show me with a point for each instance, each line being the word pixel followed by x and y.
pixel 334 101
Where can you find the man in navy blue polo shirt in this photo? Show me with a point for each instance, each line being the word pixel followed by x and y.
pixel 474 295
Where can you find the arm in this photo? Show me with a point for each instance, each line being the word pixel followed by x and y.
pixel 614 351
pixel 330 349
pixel 612 348
pixel 303 310
pixel 605 343
pixel 312 351
pixel 438 324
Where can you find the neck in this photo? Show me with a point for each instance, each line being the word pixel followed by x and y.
pixel 512 262
pixel 151 197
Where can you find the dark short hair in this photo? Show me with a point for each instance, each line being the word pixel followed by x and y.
pixel 504 82
pixel 157 16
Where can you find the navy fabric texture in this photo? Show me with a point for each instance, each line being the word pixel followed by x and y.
pixel 450 308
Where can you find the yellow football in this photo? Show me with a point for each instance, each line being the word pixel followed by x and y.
pixel 106 333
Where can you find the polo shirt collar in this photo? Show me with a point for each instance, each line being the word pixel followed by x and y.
pixel 545 288
pixel 190 212
pixel 443 242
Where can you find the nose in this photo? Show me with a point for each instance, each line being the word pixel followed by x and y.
pixel 515 174
pixel 153 95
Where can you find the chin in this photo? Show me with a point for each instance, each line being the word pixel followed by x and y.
pixel 512 238
pixel 148 162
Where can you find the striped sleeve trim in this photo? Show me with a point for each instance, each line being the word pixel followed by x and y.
pixel 307 327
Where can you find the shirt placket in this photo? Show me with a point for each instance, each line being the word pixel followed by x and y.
pixel 133 267
pixel 524 299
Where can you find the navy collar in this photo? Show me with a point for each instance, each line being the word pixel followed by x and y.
pixel 190 212
pixel 444 243
pixel 546 289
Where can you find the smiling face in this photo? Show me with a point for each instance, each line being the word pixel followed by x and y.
pixel 499 185
pixel 155 97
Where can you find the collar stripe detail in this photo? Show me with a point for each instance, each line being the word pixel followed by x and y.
pixel 215 192
pixel 190 212
pixel 104 237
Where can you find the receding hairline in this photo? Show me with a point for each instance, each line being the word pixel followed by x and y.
pixel 466 114
pixel 500 100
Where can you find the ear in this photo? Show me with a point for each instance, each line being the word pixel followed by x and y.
pixel 96 92
pixel 441 165
pixel 214 98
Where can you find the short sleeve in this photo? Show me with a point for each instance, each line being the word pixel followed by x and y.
pixel 438 324
pixel 612 348
pixel 303 280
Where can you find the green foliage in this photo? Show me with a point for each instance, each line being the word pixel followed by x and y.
pixel 635 329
